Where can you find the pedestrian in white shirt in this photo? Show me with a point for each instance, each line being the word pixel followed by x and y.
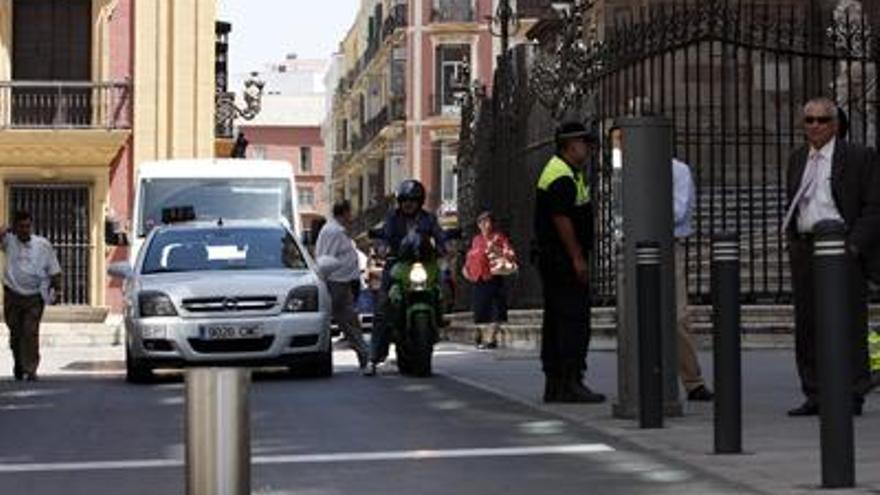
pixel 344 281
pixel 684 198
pixel 32 280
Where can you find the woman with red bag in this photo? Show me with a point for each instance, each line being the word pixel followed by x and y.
pixel 490 259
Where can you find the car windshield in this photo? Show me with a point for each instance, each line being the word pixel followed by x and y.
pixel 199 250
pixel 213 199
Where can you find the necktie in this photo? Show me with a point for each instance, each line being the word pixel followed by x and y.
pixel 809 183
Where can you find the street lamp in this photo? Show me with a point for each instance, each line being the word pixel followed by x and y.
pixel 504 23
pixel 228 110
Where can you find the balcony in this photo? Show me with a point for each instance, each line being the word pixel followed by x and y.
pixel 53 124
pixel 442 107
pixel 453 11
pixel 397 18
pixel 65 105
pixel 532 9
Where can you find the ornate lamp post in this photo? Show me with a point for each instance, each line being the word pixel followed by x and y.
pixel 503 24
pixel 228 110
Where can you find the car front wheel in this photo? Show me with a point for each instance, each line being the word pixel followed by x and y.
pixel 135 370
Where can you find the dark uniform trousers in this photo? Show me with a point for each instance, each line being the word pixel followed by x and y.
pixel 23 315
pixel 801 254
pixel 565 332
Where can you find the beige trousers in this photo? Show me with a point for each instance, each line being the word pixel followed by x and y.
pixel 688 365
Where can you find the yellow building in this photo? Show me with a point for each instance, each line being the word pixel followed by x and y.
pixel 89 89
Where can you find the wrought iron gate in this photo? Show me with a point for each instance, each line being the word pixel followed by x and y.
pixel 732 75
pixel 61 214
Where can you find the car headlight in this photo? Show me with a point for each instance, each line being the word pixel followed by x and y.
pixel 155 304
pixel 302 300
pixel 418 277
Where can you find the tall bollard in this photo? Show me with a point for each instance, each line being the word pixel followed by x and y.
pixel 834 321
pixel 726 343
pixel 218 451
pixel 650 338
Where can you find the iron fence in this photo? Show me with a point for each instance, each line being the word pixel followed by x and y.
pixel 54 105
pixel 731 75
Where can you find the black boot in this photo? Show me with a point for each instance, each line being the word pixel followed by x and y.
pixel 574 391
pixel 552 387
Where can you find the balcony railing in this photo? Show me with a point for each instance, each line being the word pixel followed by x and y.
pixel 533 8
pixel 443 107
pixel 65 105
pixel 446 11
pixel 396 19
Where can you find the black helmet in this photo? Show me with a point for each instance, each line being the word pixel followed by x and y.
pixel 575 130
pixel 412 190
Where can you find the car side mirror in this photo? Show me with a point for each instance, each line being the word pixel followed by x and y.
pixel 327 265
pixel 120 269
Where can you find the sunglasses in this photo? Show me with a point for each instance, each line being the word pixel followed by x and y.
pixel 817 120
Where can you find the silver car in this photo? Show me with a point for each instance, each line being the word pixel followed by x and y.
pixel 213 294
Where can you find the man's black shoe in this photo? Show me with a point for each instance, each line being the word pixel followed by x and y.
pixel 574 390
pixel 552 387
pixel 808 408
pixel 18 374
pixel 701 394
pixel 30 377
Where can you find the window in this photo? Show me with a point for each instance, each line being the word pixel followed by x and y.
pixel 448 176
pixel 452 61
pixel 258 152
pixel 306 197
pixel 305 160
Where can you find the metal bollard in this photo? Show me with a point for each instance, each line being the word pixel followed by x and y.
pixel 650 338
pixel 726 343
pixel 834 320
pixel 218 450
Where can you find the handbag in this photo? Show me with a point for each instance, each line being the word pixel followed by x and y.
pixel 501 261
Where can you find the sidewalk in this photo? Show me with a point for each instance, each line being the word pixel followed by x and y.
pixel 782 453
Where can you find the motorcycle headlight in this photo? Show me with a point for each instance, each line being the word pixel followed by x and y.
pixel 155 304
pixel 302 300
pixel 418 277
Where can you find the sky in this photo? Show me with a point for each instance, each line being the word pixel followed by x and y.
pixel 265 31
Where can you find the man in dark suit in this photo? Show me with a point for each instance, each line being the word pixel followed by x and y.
pixel 831 179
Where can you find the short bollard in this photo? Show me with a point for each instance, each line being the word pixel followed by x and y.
pixel 726 343
pixel 218 451
pixel 834 320
pixel 650 349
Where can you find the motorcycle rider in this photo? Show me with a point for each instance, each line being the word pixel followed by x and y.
pixel 409 216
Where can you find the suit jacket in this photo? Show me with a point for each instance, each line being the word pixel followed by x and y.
pixel 855 185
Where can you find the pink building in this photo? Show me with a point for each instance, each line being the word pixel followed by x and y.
pixel 302 147
pixel 396 110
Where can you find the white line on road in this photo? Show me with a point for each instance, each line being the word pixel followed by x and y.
pixel 405 455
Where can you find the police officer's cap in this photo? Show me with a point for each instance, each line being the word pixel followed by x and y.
pixel 574 130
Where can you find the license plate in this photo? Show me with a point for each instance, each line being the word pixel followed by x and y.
pixel 230 332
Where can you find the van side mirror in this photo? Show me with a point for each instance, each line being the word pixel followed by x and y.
pixel 114 235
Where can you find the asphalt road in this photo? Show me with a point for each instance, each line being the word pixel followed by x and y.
pixel 97 435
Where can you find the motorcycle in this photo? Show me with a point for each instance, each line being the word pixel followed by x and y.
pixel 413 310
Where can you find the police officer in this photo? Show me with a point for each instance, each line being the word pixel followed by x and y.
pixel 564 230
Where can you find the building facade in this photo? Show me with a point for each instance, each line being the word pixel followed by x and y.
pixel 289 128
pixel 77 114
pixel 395 114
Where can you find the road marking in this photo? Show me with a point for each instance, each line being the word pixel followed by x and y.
pixel 405 455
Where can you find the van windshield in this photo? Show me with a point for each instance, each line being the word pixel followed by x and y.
pixel 215 198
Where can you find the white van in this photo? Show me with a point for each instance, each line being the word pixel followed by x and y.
pixel 227 189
